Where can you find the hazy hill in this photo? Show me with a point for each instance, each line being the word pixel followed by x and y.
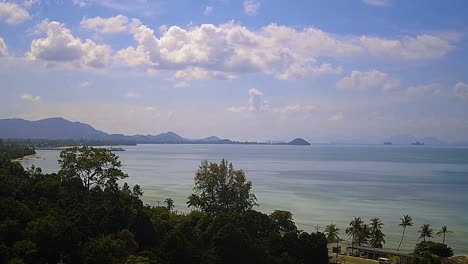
pixel 50 128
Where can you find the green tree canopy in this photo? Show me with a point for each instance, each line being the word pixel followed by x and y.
pixel 219 188
pixel 94 166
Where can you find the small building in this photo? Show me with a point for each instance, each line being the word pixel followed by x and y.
pixel 400 257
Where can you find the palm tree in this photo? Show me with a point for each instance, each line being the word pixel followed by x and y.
pixel 377 237
pixel 192 201
pixel 333 236
pixel 405 222
pixel 425 231
pixel 444 231
pixel 169 204
pixel 354 230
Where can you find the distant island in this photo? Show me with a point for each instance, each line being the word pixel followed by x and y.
pixel 388 143
pixel 56 132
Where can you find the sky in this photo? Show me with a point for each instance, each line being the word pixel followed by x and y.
pixel 240 69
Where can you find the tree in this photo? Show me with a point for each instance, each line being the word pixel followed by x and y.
pixel 220 189
pixel 94 166
pixel 377 238
pixel 355 229
pixel 405 222
pixel 193 201
pixel 433 248
pixel 283 221
pixel 332 233
pixel 169 204
pixel 425 231
pixel 443 231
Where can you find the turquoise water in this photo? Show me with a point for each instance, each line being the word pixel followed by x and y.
pixel 319 184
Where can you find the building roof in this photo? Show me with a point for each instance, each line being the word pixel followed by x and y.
pixel 402 253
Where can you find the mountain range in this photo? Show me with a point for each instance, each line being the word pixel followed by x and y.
pixel 61 129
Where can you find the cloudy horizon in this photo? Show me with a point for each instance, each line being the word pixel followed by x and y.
pixel 247 70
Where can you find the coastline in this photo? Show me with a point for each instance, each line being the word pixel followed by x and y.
pixel 25 157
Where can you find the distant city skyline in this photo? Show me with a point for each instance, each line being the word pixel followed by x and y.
pixel 250 70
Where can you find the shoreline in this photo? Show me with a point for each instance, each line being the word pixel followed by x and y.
pixel 22 158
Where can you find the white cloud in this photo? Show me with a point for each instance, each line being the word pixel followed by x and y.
pixel 379 3
pixel 181 85
pixel 251 7
pixel 297 108
pixel 461 90
pixel 235 109
pixel 336 117
pixel 12 13
pixel 421 47
pixel 371 79
pixel 197 73
pixel 231 48
pixel 61 46
pixel 425 89
pixel 85 85
pixel 257 101
pixel 208 10
pixel 30 97
pixel 110 25
pixel 3 48
pixel 132 95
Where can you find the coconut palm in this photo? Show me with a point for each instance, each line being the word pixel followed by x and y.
pixel 192 201
pixel 443 231
pixel 377 237
pixel 355 230
pixel 333 236
pixel 425 231
pixel 405 222
pixel 169 204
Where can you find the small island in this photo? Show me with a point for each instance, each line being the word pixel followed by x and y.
pixel 298 142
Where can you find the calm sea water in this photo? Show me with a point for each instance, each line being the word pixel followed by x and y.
pixel 319 184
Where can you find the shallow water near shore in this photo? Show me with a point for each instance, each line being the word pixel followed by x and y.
pixel 319 184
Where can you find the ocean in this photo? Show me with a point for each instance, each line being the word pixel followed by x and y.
pixel 319 184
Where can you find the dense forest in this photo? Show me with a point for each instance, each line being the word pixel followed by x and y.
pixel 85 213
pixel 9 150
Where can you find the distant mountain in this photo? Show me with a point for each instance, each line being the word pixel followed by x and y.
pixel 299 142
pixel 210 139
pixel 50 128
pixel 433 141
pixel 62 129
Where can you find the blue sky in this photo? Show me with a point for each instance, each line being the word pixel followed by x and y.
pixel 248 70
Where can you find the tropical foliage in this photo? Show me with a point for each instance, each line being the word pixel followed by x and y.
pixel 425 231
pixel 61 218
pixel 14 151
pixel 405 222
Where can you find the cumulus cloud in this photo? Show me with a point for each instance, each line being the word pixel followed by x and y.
pixel 461 90
pixel 12 13
pixel 115 24
pixel 336 117
pixel 425 89
pixel 257 101
pixel 30 97
pixel 371 79
pixel 421 47
pixel 3 48
pixel 60 45
pixel 379 3
pixel 281 51
pixel 251 7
